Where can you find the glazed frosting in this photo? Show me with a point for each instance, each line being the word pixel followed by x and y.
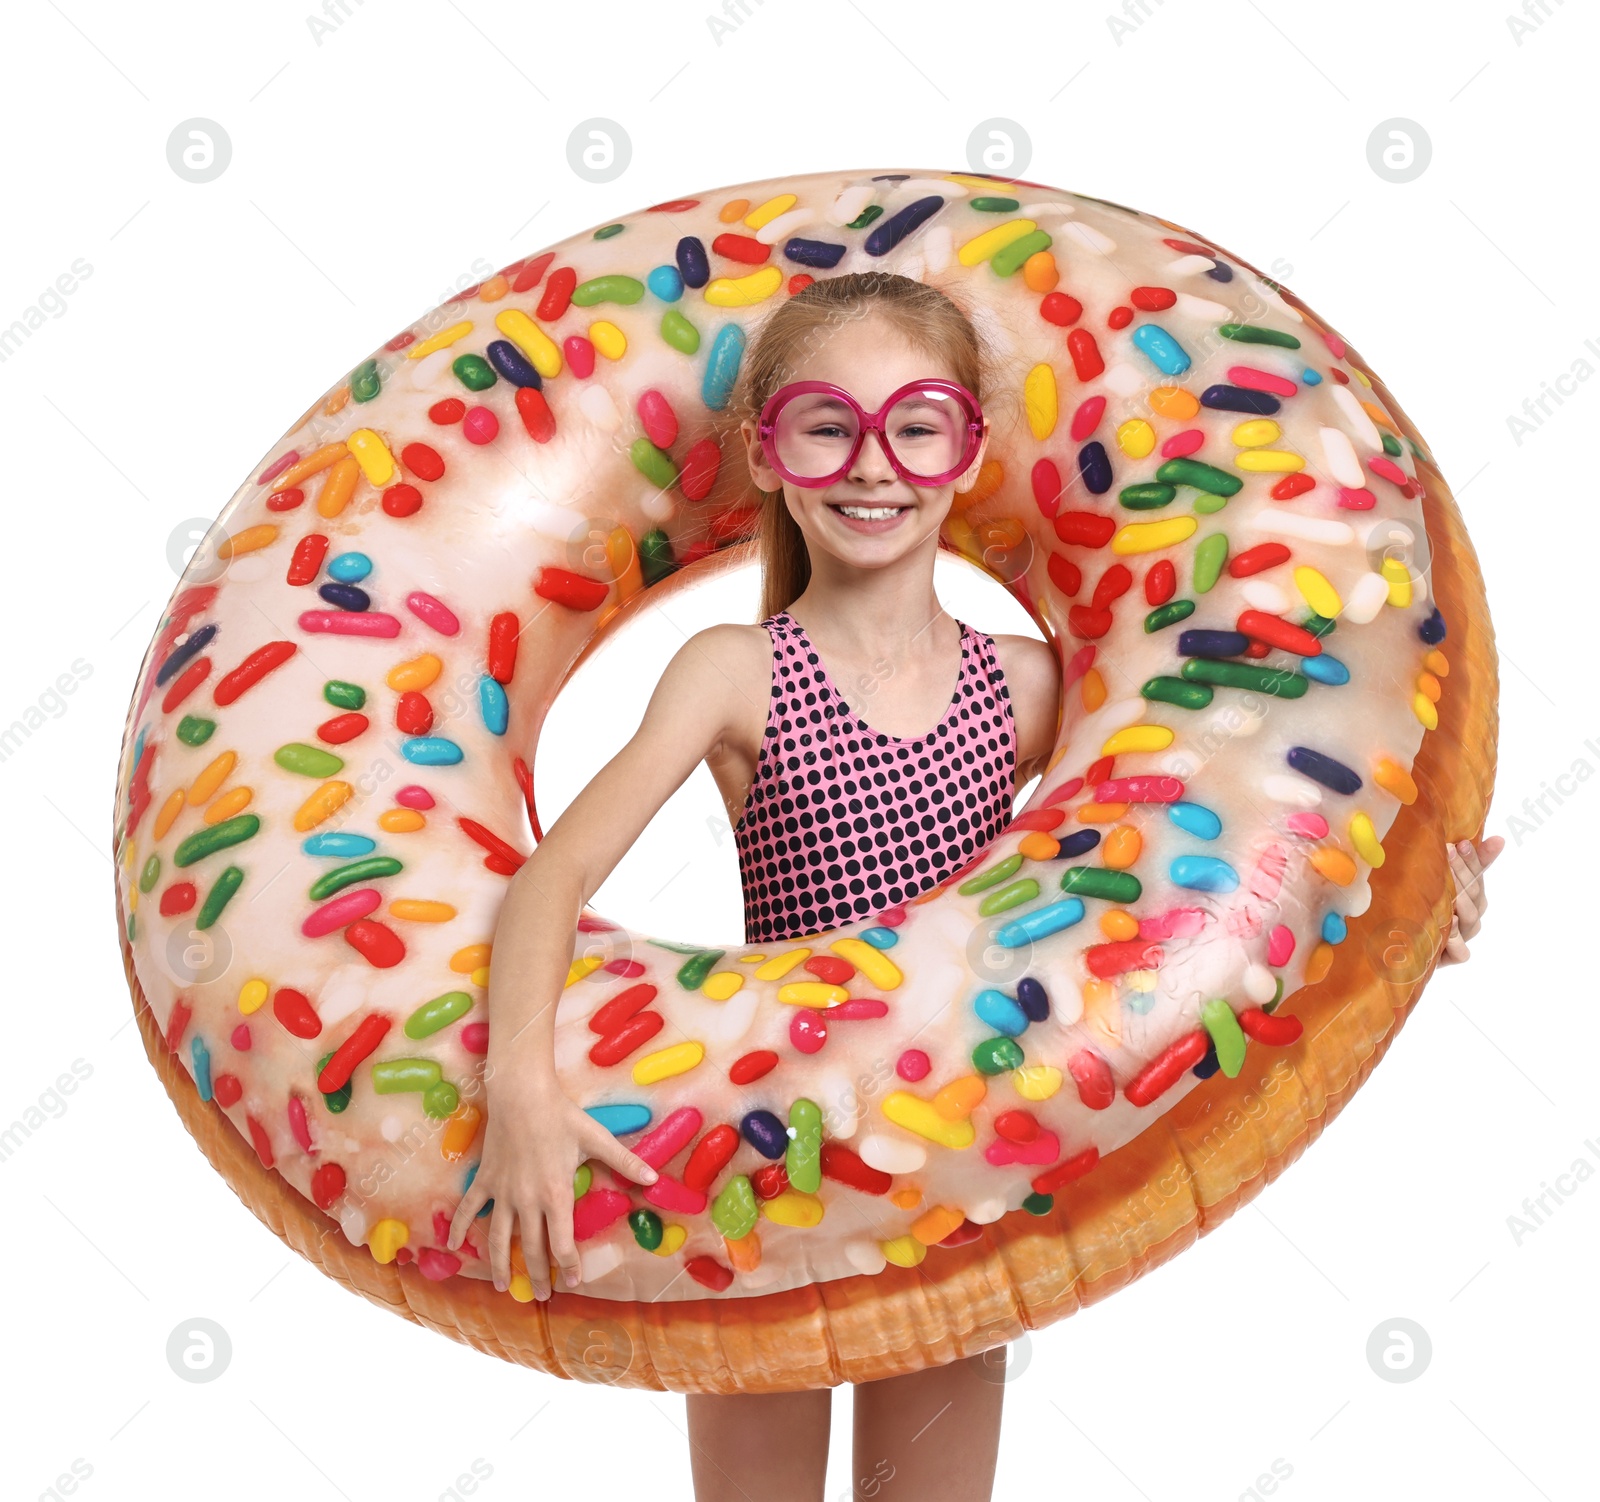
pixel 324 787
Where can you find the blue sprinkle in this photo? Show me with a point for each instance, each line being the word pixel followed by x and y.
pixel 1325 668
pixel 665 283
pixel 693 266
pixel 620 1120
pixel 765 1133
pixel 722 366
pixel 1324 769
pixel 202 1066
pixel 338 844
pixel 1221 272
pixel 891 231
pixel 345 596
pixel 1040 923
pixel 1310 377
pixel 819 253
pixel 880 938
pixel 1239 399
pixel 1079 843
pixel 493 704
pixel 1000 1012
pixel 1031 995
pixel 179 655
pixel 1209 1065
pixel 1095 467
pixel 1432 629
pixel 430 751
pixel 1139 1002
pixel 350 568
pixel 510 362
pixel 1334 928
pixel 1195 819
pixel 1161 349
pixel 1203 873
pixel 1201 643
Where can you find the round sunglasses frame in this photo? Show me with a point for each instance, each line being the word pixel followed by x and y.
pixel 870 423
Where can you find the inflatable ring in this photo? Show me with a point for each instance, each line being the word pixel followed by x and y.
pixel 906 1141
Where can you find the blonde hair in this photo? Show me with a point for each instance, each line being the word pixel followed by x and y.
pixel 923 315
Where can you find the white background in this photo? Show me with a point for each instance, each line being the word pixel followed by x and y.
pixel 370 169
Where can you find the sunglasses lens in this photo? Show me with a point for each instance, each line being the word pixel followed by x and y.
pixel 926 429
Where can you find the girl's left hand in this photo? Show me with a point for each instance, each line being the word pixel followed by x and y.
pixel 1468 861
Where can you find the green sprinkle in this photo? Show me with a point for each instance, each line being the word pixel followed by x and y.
pixel 1169 614
pixel 654 465
pixel 1318 625
pixel 364 381
pixel 992 877
pixel 392 1076
pixel 997 1055
pixel 581 1181
pixel 1201 476
pixel 646 1228
pixel 440 1100
pixel 802 1160
pixel 655 557
pixel 150 874
pixel 733 1211
pixel 204 842
pixel 440 1012
pixel 608 231
pixel 1008 259
pixel 344 695
pixel 474 372
pixel 993 205
pixel 866 216
pixel 1164 690
pixel 1391 444
pixel 1209 557
pixel 693 974
pixel 1097 881
pixel 1219 1020
pixel 1008 897
pixel 338 1099
pixel 1146 497
pixel 369 869
pixel 308 761
pixel 1039 1204
pixel 1205 504
pixel 217 898
pixel 599 289
pixel 193 731
pixel 1249 333
pixel 1278 681
pixel 677 331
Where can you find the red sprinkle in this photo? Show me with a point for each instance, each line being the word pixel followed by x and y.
pixel 1164 1071
pixel 335 1074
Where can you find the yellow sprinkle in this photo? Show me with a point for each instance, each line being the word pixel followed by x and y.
pixel 1146 537
pixel 211 778
pixel 471 958
pixel 722 985
pixel 373 455
pixel 673 1237
pixel 1399 577
pixel 460 1132
pixel 338 487
pixel 1036 1081
pixel 903 1251
pixel 480 977
pixel 764 214
pixel 230 803
pixel 1039 397
pixel 1137 738
pixel 793 1208
pixel 1259 430
pixel 252 996
pixel 542 351
pixel 416 674
pixel 520 1288
pixel 1333 863
pixel 1136 438
pixel 680 1058
pixel 322 804
pixel 585 964
pixel 1174 402
pixel 871 961
pixel 961 1097
pixel 1393 778
pixel 743 291
pixel 1319 963
pixel 442 340
pixel 1269 461
pixel 812 993
pixel 251 540
pixel 932 1226
pixel 313 464
pixel 980 247
pixel 781 964
pixel 1423 708
pixel 916 1115
pixel 420 910
pixel 1320 595
pixel 1365 838
pixel 608 339
pixel 386 1238
pixel 169 811
pixel 401 821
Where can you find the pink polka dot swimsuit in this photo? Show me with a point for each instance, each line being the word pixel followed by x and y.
pixel 842 821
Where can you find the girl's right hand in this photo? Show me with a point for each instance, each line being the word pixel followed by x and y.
pixel 536 1139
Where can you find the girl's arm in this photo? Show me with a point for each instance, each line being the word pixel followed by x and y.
pixel 536 1136
pixel 1468 862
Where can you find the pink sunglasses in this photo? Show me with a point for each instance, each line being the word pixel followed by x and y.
pixel 812 458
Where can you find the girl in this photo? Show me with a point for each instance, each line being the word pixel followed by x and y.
pixel 855 779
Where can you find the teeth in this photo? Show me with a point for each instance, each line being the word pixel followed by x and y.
pixel 870 513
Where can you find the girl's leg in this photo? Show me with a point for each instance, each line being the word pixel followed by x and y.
pixel 930 1434
pixel 759 1447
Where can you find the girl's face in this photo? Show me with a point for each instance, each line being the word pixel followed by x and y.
pixel 870 516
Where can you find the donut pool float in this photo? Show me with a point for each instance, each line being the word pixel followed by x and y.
pixel 905 1141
